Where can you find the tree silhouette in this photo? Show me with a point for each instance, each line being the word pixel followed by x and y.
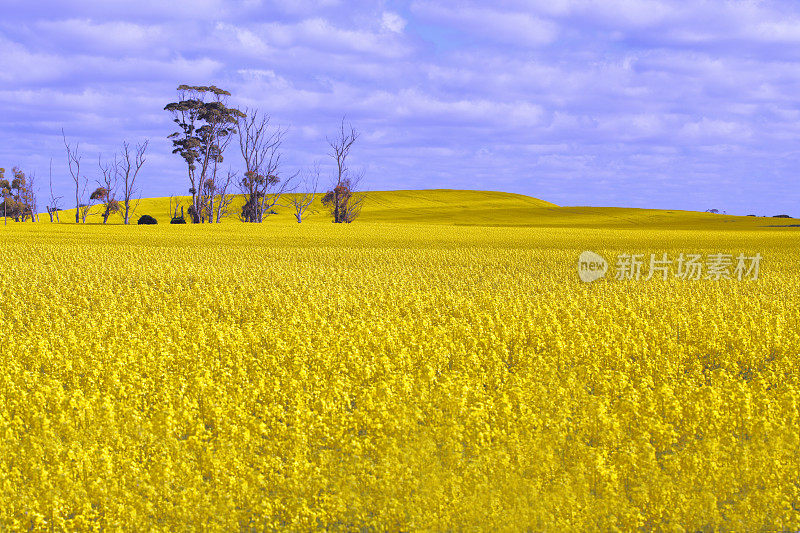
pixel 205 129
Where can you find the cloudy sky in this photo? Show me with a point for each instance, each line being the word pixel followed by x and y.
pixel 641 103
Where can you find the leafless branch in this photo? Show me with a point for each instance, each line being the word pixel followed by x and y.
pixel 352 208
pixel 225 199
pixel 344 200
pixel 33 195
pixel 128 169
pixel 106 192
pixel 85 208
pixel 300 201
pixel 74 161
pixel 175 204
pixel 340 149
pixel 54 206
pixel 261 184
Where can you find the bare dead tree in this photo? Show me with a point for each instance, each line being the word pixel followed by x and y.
pixel 176 204
pixel 354 200
pixel 272 197
pixel 30 199
pixel 106 190
pixel 260 147
pixel 215 188
pixel 54 207
pixel 344 200
pixel 74 161
pixel 85 208
pixel 5 190
pixel 300 201
pixel 128 169
pixel 224 200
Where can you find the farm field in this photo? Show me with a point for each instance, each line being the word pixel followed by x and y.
pixel 437 365
pixel 472 208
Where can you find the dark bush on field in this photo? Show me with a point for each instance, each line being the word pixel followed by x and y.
pixel 781 216
pixel 178 220
pixel 147 219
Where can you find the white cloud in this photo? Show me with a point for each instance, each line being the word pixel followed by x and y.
pixel 711 131
pixel 246 40
pixel 104 37
pixel 509 27
pixel 19 65
pixel 392 22
pixel 782 31
pixel 614 95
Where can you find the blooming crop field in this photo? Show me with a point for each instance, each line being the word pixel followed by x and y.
pixel 395 377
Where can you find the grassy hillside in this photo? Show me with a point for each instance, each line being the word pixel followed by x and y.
pixel 477 208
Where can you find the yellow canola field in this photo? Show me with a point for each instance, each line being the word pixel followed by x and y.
pixel 392 377
pixel 462 208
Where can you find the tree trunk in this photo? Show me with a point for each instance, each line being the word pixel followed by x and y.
pixel 219 209
pixel 195 212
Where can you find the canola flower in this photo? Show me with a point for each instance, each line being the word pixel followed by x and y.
pixel 392 377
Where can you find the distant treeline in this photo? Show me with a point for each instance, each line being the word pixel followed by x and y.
pixel 205 127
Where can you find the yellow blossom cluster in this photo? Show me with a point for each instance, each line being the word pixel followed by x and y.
pixel 392 377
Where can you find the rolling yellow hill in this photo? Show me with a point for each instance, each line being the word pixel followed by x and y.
pixel 476 208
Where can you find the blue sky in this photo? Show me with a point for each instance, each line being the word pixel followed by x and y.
pixel 641 103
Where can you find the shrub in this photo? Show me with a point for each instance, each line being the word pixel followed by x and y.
pixel 781 216
pixel 147 219
pixel 178 220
